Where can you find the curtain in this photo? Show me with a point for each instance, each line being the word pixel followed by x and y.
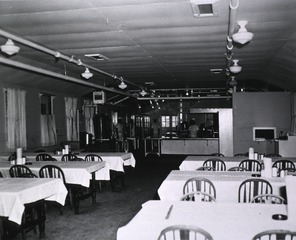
pixel 16 119
pixel 48 130
pixel 72 119
pixel 88 118
pixel 293 114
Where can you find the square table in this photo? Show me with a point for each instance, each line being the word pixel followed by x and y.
pixel 223 221
pixel 226 184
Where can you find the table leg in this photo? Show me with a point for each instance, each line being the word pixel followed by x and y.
pixel 93 188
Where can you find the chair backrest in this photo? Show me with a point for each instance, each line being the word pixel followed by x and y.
pixel 237 169
pixel 69 157
pixel 52 171
pixel 43 157
pixel 13 156
pixel 1 176
pixel 93 157
pixel 283 164
pixel 251 165
pixel 199 184
pixel 268 199
pixel 275 235
pixel 18 170
pixel 250 188
pixel 215 163
pixel 184 232
pixel 198 196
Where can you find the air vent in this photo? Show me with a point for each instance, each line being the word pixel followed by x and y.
pixel 204 8
pixel 96 57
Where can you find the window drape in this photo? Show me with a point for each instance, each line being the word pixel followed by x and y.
pixel 16 119
pixel 72 119
pixel 88 118
pixel 48 130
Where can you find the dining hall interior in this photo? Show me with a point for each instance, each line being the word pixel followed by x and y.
pixel 152 119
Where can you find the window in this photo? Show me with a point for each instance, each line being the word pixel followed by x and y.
pixel 165 121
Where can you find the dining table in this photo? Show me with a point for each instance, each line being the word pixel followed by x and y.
pixel 77 174
pixel 223 221
pixel 16 193
pixel 226 184
pixel 191 163
pixel 115 160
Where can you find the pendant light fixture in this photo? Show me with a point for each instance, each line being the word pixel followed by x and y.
pixel 9 47
pixel 122 85
pixel 87 74
pixel 143 92
pixel 242 36
pixel 235 68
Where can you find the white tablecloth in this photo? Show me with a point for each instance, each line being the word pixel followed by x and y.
pixel 226 184
pixel 76 172
pixel 15 192
pixel 223 221
pixel 191 163
pixel 115 160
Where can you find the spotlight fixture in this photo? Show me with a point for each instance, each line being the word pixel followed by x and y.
pixel 235 68
pixel 242 36
pixel 143 93
pixel 87 74
pixel 122 85
pixel 9 47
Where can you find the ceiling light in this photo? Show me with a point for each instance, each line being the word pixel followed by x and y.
pixel 232 82
pixel 242 36
pixel 143 93
pixel 235 68
pixel 87 74
pixel 122 85
pixel 9 47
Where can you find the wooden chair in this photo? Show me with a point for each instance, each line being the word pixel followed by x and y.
pixel 96 158
pixel 18 170
pixel 93 157
pixel 283 164
pixel 275 235
pixel 53 171
pixel 184 232
pixel 43 157
pixel 216 164
pixel 198 196
pixel 69 157
pixel 250 188
pixel 251 165
pixel 199 184
pixel 268 199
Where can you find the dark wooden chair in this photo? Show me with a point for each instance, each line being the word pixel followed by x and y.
pixel 18 170
pixel 93 157
pixel 216 164
pixel 251 165
pixel 251 188
pixel 184 232
pixel 283 164
pixel 69 157
pixel 43 157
